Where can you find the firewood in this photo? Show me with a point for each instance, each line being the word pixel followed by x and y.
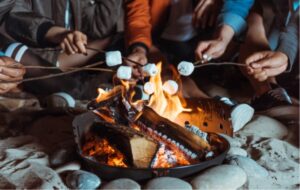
pixel 138 148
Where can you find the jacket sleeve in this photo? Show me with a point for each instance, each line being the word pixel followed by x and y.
pixel 26 26
pixel 137 23
pixel 234 14
pixel 5 7
pixel 100 19
pixel 289 40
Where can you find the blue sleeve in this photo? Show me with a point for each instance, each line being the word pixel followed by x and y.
pixel 234 14
pixel 1 54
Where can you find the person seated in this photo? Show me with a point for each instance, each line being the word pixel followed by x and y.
pixel 57 33
pixel 280 57
pixel 175 26
pixel 67 24
pixel 7 75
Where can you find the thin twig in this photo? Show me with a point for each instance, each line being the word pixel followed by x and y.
pixel 89 67
pixel 96 50
pixel 218 64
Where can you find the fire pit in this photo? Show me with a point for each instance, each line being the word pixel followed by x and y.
pixel 165 136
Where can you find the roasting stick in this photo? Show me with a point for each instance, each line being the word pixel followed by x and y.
pixel 89 67
pixel 218 64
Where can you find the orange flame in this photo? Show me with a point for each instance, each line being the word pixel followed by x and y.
pixel 168 106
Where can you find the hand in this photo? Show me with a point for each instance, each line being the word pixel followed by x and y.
pixel 10 74
pixel 206 12
pixel 74 42
pixel 71 42
pixel 139 54
pixel 265 64
pixel 215 48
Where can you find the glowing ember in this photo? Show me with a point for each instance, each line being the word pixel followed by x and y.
pixel 104 152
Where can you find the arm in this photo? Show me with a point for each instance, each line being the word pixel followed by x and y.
pixel 5 6
pixel 26 26
pixel 234 14
pixel 137 24
pixel 101 18
pixel 289 40
pixel 231 21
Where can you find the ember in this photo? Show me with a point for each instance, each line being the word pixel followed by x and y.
pixel 159 133
pixel 104 152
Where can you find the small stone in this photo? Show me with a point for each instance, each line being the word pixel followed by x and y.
pixel 237 151
pixel 252 168
pixel 168 183
pixel 122 183
pixel 82 180
pixel 61 157
pixel 264 126
pixel 68 167
pixel 220 177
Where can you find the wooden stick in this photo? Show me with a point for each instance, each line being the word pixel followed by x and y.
pixel 218 64
pixel 74 70
pixel 99 51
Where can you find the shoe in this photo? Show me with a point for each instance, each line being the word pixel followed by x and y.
pixel 59 100
pixel 227 101
pixel 241 114
pixel 276 103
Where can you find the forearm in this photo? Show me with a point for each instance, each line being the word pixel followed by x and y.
pixel 225 34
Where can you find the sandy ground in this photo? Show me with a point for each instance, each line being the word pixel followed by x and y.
pixel 27 139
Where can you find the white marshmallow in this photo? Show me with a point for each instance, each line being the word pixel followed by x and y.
pixel 185 68
pixel 149 88
pixel 150 69
pixel 205 56
pixel 113 58
pixel 170 87
pixel 124 72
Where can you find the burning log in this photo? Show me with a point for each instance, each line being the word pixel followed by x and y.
pixel 138 148
pixel 181 135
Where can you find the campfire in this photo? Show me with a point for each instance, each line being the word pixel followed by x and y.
pixel 166 131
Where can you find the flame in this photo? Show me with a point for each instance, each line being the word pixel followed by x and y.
pixel 104 152
pixel 168 106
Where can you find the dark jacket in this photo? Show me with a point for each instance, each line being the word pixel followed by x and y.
pixel 5 7
pixel 29 20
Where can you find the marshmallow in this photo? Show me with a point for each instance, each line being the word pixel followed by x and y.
pixel 113 58
pixel 149 88
pixel 185 68
pixel 205 56
pixel 170 87
pixel 150 69
pixel 124 72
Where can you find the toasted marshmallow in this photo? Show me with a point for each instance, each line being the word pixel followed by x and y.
pixel 124 72
pixel 113 58
pixel 185 68
pixel 170 87
pixel 150 69
pixel 149 88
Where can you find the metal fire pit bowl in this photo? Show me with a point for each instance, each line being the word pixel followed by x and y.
pixel 81 126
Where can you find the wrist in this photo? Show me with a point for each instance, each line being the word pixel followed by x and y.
pixel 138 47
pixel 56 34
pixel 225 34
